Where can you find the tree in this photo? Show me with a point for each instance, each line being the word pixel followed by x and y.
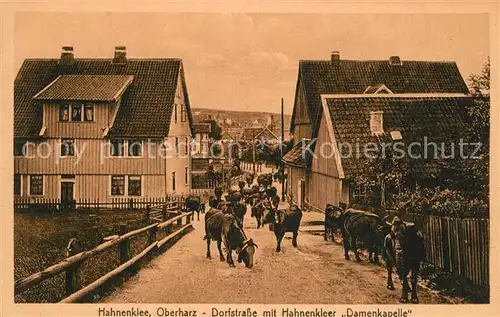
pixel 216 131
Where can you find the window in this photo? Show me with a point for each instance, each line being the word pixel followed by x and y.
pixel 183 113
pixel 19 148
pixel 17 184
pixel 76 112
pixel 173 181
pixel 186 175
pixel 186 146
pixel 134 148
pixel 175 113
pixel 117 147
pixel 177 145
pixel 64 112
pixel 67 147
pixel 117 185
pixel 134 186
pixel 36 185
pixel 89 112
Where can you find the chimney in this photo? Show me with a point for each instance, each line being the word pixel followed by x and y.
pixel 395 60
pixel 120 55
pixel 377 122
pixel 335 58
pixel 67 57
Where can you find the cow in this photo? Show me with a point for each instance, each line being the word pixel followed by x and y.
pixel 405 250
pixel 251 199
pixel 218 193
pixel 242 184
pixel 234 197
pixel 258 210
pixel 249 177
pixel 271 191
pixel 283 221
pixel 193 203
pixel 265 180
pixel 331 223
pixel 358 224
pixel 224 228
pixel 238 210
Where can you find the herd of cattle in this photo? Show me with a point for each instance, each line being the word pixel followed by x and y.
pixel 401 242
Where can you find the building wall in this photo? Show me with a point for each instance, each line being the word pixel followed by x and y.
pixel 201 144
pixel 323 183
pixel 91 157
pixel 302 122
pixel 93 187
pixel 295 174
pixel 178 162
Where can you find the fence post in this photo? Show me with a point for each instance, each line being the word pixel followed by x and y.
pixel 147 214
pixel 152 239
pixel 124 246
pixel 72 275
pixel 164 213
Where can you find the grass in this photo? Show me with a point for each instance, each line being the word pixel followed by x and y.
pixel 40 240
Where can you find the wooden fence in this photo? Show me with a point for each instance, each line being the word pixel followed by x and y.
pixel 248 166
pixel 72 264
pixel 35 204
pixel 459 246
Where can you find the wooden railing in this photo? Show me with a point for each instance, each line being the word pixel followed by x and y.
pixel 71 265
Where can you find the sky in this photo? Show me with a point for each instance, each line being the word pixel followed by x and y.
pixel 249 62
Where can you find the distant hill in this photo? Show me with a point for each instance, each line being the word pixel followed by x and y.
pixel 234 119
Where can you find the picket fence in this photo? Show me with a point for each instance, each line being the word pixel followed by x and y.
pixel 459 246
pixel 36 204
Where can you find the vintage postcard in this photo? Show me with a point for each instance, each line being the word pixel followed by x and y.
pixel 249 160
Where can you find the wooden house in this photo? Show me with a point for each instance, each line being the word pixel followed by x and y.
pixel 201 144
pixel 101 128
pixel 348 102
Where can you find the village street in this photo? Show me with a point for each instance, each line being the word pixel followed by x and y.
pixel 315 272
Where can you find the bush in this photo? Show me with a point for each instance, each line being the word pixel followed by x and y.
pixel 436 201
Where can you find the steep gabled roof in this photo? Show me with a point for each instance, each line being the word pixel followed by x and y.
pixel 146 105
pixel 353 77
pixel 261 133
pixel 298 155
pixel 85 88
pixel 437 119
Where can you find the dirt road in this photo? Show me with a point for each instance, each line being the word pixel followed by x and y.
pixel 315 272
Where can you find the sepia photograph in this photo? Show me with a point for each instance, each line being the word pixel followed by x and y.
pixel 251 158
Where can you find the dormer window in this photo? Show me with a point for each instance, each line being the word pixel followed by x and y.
pixel 76 112
pixel 377 89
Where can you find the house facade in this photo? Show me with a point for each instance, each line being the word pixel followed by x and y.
pixel 201 144
pixel 342 103
pixel 101 128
